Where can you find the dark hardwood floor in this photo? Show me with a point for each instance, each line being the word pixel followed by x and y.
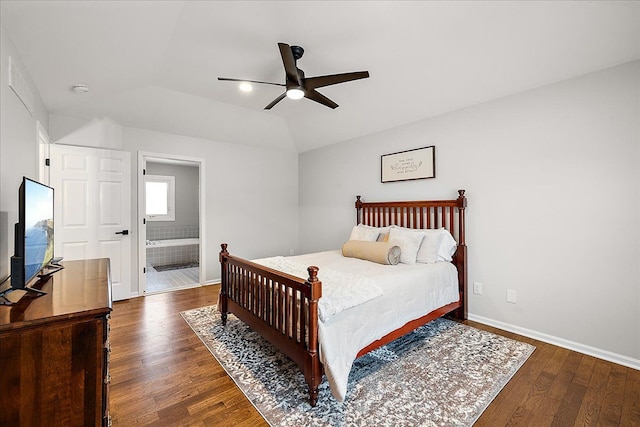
pixel 162 374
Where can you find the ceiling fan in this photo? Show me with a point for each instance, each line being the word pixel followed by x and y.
pixel 297 85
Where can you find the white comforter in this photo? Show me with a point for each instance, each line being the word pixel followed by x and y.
pixel 408 292
pixel 340 290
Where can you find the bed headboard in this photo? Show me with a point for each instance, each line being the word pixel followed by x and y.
pixel 416 214
pixel 424 214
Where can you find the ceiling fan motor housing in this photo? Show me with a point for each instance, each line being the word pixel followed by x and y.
pixel 297 51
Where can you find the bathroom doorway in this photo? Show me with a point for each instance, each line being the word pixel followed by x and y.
pixel 171 218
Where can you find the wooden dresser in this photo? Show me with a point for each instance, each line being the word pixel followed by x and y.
pixel 54 350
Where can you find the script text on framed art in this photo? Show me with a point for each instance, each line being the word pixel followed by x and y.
pixel 419 163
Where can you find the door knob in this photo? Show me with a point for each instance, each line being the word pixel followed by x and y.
pixel 123 232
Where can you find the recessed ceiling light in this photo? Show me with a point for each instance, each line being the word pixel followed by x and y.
pixel 80 88
pixel 246 87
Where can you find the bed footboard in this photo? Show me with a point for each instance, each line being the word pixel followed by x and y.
pixel 280 307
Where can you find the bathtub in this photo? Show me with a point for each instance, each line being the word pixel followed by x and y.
pixel 172 242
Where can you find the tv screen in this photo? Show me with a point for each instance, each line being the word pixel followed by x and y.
pixel 38 227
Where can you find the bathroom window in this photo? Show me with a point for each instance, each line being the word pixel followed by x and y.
pixel 160 197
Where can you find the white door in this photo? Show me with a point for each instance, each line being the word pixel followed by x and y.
pixel 93 208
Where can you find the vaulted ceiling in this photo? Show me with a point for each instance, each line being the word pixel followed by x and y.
pixel 154 64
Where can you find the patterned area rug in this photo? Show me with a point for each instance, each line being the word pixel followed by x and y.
pixel 442 374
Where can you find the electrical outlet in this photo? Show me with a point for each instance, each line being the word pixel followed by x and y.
pixel 511 296
pixel 477 288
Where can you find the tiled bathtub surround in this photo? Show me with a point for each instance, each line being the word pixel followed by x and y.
pixel 163 232
pixel 173 254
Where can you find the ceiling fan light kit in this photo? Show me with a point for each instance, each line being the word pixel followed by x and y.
pixel 295 93
pixel 296 85
pixel 245 87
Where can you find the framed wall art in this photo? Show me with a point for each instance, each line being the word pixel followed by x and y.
pixel 419 163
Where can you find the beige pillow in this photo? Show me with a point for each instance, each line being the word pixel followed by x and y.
pixel 380 252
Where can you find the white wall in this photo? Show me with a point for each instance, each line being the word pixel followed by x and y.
pixel 100 132
pixel 18 146
pixel 553 181
pixel 251 194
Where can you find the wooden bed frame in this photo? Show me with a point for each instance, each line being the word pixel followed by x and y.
pixel 284 308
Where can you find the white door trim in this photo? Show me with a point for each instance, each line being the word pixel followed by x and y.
pixel 43 142
pixel 143 157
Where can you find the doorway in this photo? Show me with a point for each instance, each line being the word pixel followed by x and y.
pixel 171 217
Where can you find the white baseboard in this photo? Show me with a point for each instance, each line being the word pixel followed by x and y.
pixel 560 342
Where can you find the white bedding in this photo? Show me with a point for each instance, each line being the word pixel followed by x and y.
pixel 340 290
pixel 408 292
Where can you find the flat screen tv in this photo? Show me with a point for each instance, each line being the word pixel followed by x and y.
pixel 33 235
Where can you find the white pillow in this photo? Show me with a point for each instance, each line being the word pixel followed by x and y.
pixel 384 231
pixel 429 249
pixel 367 234
pixel 409 242
pixel 448 246
pixel 438 245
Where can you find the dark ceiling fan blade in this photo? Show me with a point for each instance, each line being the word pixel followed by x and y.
pixel 322 81
pixel 314 95
pixel 275 101
pixel 289 63
pixel 226 79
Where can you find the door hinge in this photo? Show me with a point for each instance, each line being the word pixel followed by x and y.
pixel 144 221
pixel 144 171
pixel 47 162
pixel 144 269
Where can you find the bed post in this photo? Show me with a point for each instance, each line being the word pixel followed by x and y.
pixel 358 210
pixel 461 257
pixel 222 306
pixel 313 368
